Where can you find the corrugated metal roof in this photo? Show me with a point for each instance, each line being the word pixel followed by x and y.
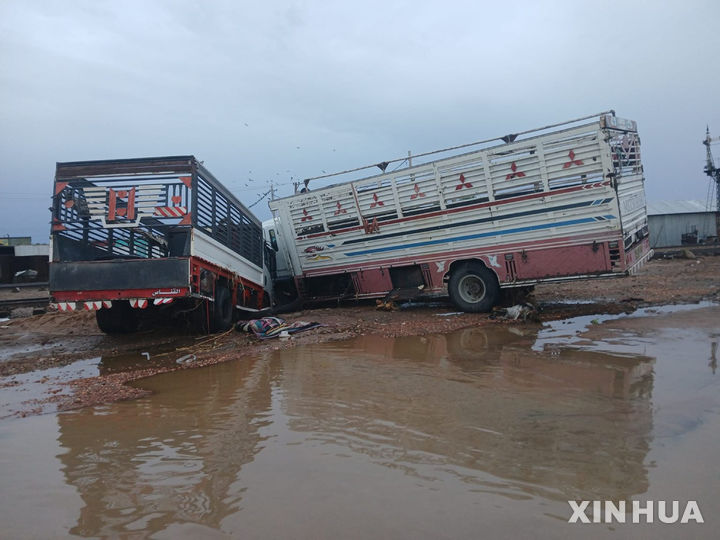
pixel 678 207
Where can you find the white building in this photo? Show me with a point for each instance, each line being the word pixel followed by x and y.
pixel 676 223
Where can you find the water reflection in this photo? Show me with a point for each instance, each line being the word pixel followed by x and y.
pixel 173 457
pixel 476 407
pixel 572 424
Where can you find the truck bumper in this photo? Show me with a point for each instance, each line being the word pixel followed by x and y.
pixel 154 275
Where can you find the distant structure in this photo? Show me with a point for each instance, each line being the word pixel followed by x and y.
pixel 15 240
pixel 21 261
pixel 687 223
pixel 682 223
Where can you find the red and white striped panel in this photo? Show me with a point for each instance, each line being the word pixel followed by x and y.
pixel 170 211
pixel 141 303
pixel 66 306
pixel 161 301
pixel 97 304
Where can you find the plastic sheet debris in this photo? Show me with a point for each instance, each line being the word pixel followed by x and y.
pixel 525 312
pixel 26 275
pixel 186 359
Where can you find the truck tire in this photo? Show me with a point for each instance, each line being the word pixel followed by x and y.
pixel 197 317
pixel 473 288
pixel 222 313
pixel 118 319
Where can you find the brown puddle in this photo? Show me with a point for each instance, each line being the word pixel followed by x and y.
pixel 486 432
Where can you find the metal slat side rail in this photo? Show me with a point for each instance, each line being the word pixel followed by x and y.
pixel 466 180
pixel 229 223
pixel 228 195
pixel 559 140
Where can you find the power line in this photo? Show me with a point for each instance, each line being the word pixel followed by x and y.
pixel 262 197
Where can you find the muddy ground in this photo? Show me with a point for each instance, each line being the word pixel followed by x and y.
pixel 52 340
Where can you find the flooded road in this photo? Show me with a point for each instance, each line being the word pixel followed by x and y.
pixel 485 432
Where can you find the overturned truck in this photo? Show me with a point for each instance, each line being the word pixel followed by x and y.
pixel 562 202
pixel 156 234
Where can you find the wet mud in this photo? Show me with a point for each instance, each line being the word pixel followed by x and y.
pixel 34 348
pixel 485 431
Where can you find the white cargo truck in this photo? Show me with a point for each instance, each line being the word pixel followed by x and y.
pixel 157 234
pixel 562 202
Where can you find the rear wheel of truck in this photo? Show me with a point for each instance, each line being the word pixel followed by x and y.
pixel 118 319
pixel 222 312
pixel 473 288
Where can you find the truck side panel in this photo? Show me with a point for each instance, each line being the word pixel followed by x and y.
pixel 205 248
pixel 579 213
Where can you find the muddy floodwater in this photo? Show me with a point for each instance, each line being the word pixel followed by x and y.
pixel 483 433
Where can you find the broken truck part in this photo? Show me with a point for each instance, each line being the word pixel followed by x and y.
pixel 562 202
pixel 153 233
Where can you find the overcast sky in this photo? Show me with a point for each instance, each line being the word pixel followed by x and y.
pixel 287 90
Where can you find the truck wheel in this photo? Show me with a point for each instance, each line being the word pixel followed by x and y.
pixel 222 314
pixel 197 317
pixel 473 288
pixel 118 319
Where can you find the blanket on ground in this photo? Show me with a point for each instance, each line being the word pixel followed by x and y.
pixel 272 327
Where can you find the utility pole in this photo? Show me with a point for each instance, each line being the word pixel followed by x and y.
pixel 714 173
pixel 710 169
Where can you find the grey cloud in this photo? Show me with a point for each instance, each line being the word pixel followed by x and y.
pixel 371 80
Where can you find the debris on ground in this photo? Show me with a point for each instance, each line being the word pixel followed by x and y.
pixel 524 312
pixel 272 327
pixel 24 276
pixel 383 305
pixel 186 359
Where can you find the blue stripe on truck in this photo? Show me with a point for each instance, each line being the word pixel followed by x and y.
pixel 491 217
pixel 480 235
